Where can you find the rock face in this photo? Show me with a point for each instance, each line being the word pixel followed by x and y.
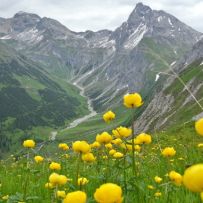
pixel 106 63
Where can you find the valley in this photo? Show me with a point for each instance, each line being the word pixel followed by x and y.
pixel 68 79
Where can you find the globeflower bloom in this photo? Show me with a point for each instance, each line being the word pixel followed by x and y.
pixel 118 155
pixel 108 193
pixel 122 132
pixel 88 157
pixel 61 194
pixel 57 179
pixel 117 141
pixel 132 100
pixel 108 146
pixel 112 152
pixel 176 178
pixel 151 187
pixel 82 181
pixel 157 179
pixel 157 194
pixel 95 144
pixel 49 186
pixel 193 178
pixel 63 146
pixel 143 138
pixel 81 147
pixel 29 144
pixel 5 197
pixel 200 145
pixel 55 166
pixel 168 152
pixel 38 159
pixel 109 116
pixel 104 138
pixel 199 126
pixel 75 197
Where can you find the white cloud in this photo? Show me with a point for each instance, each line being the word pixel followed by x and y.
pixel 80 15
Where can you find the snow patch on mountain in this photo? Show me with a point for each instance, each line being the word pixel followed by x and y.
pixel 134 39
pixel 159 18
pixel 5 37
pixel 169 21
pixel 32 35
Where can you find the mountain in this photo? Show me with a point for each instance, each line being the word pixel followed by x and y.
pixel 30 97
pixel 106 63
pixel 43 63
pixel 173 105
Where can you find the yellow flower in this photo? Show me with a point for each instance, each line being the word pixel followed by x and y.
pixel 61 194
pixel 181 158
pixel 157 179
pixel 200 145
pixel 112 152
pixel 122 132
pixel 143 138
pixel 118 155
pixel 5 197
pixel 75 197
pixel 117 141
pixel 104 138
pixel 137 148
pixel 63 146
pixel 151 187
pixel 62 180
pixel 57 179
pixel 55 166
pixel 49 186
pixel 108 193
pixel 89 157
pixel 67 156
pixel 109 116
pixel 81 146
pixel 38 159
pixel 133 100
pixel 199 126
pixel 168 152
pixel 176 178
pixel 201 196
pixel 109 146
pixel 193 178
pixel 29 144
pixel 82 181
pixel 95 144
pixel 157 194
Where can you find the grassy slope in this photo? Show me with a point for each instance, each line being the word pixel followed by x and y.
pixel 185 113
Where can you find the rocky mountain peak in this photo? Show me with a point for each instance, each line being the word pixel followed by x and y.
pixel 139 13
pixel 142 9
pixel 23 20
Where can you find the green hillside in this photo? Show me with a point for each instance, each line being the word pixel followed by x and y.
pixel 31 98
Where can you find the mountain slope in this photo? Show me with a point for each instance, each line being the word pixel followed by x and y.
pixel 30 97
pixel 173 104
pixel 148 41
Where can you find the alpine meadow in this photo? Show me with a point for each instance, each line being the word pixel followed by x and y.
pixel 108 116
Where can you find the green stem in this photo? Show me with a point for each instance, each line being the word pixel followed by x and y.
pixel 26 179
pixel 133 146
pixel 124 174
pixel 78 169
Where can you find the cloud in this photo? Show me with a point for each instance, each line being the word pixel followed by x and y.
pixel 80 15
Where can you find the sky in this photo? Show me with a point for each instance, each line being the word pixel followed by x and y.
pixel 81 15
